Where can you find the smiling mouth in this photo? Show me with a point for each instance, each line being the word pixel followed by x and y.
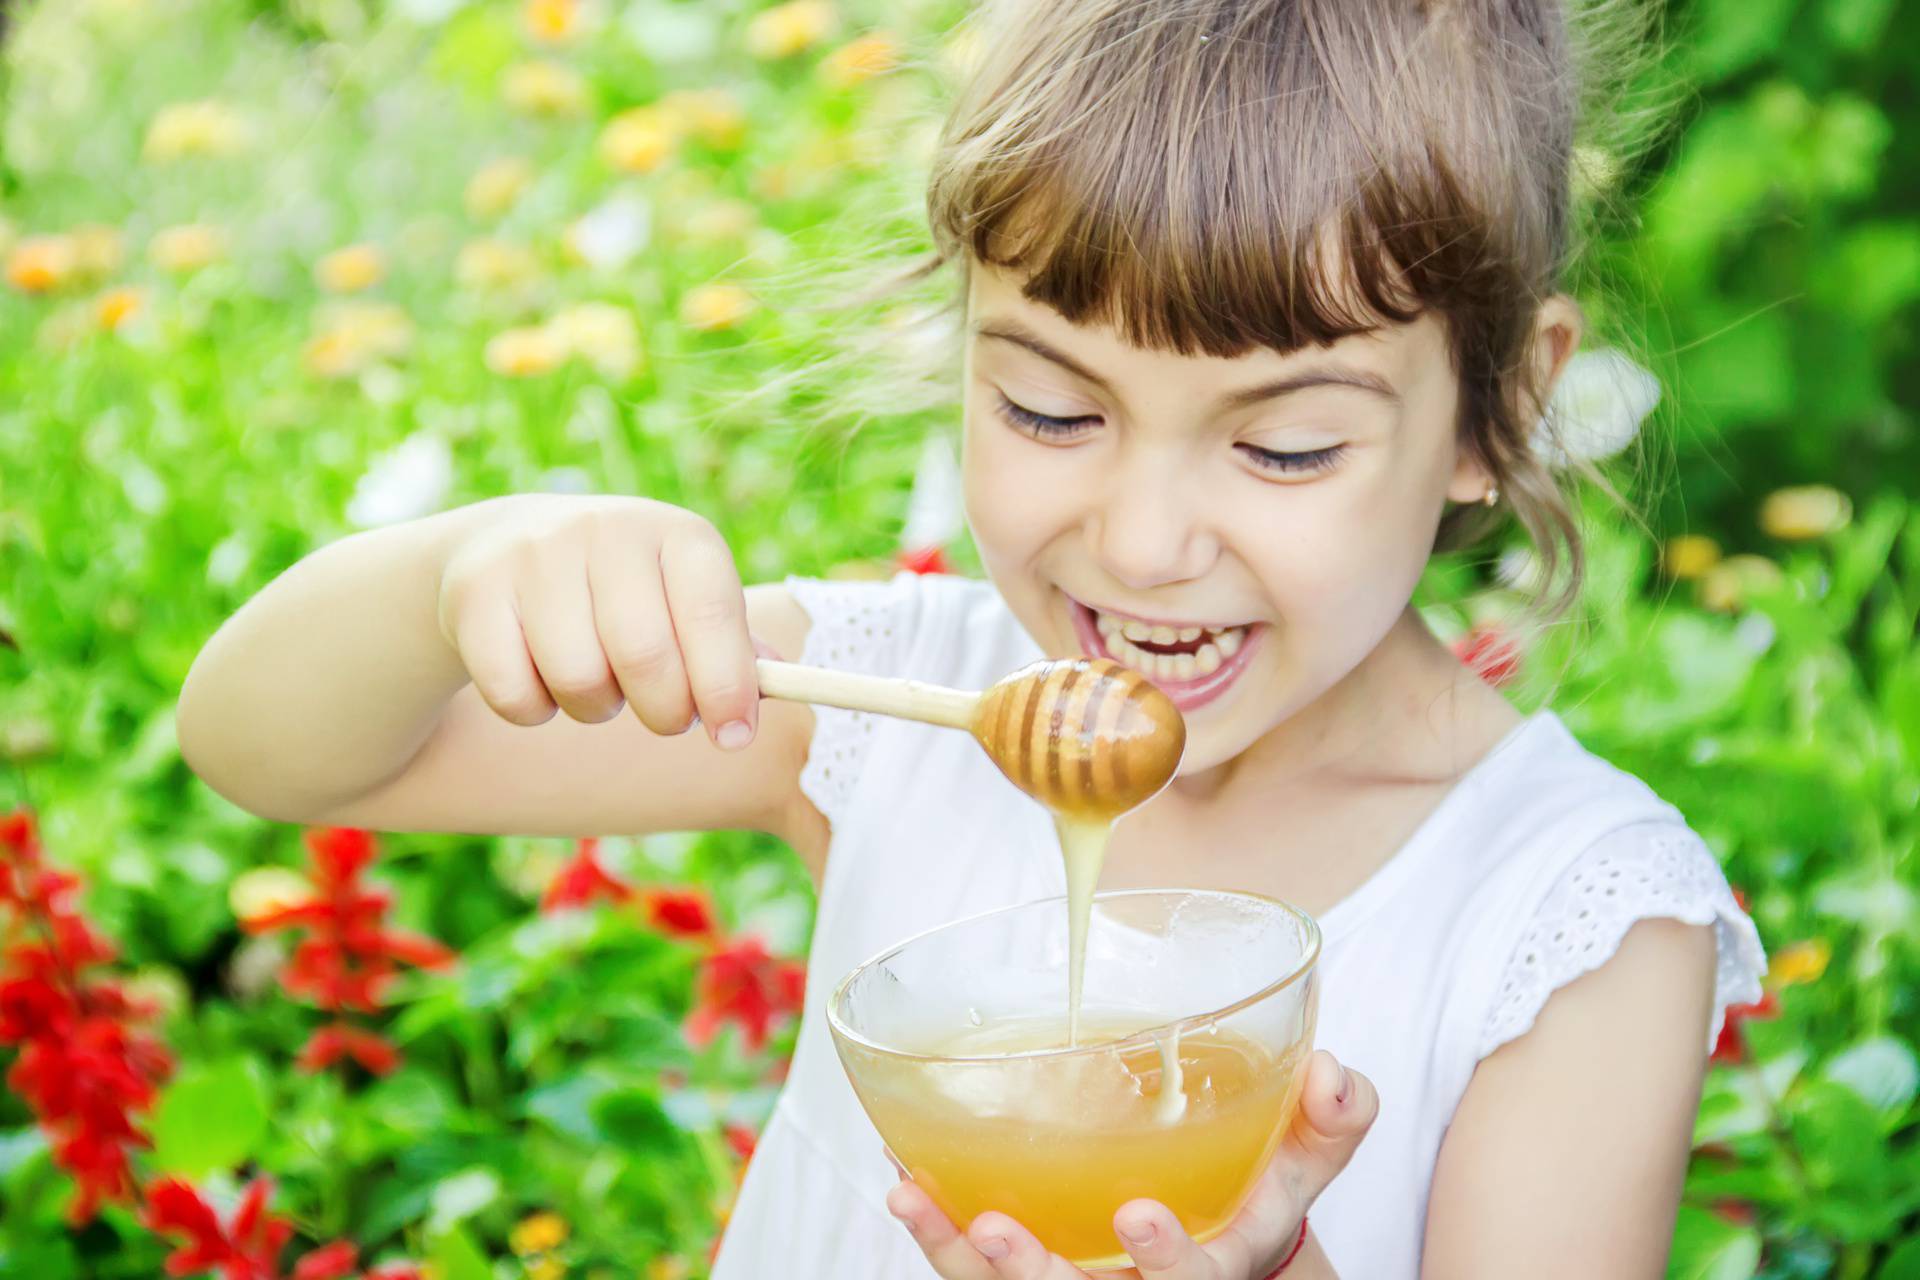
pixel 1193 663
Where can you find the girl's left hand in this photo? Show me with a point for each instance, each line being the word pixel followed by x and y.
pixel 1337 1106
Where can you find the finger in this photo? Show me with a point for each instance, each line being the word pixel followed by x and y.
pixel 1162 1250
pixel 1016 1253
pixel 948 1252
pixel 1337 1107
pixel 556 612
pixel 709 611
pixel 494 651
pixel 636 635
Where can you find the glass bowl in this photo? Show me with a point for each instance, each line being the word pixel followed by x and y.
pixel 955 1041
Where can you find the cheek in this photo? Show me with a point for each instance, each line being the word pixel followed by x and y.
pixel 1341 562
pixel 1012 499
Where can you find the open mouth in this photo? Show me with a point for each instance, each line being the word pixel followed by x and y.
pixel 1193 664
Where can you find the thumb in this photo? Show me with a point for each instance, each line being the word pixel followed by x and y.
pixel 1337 1107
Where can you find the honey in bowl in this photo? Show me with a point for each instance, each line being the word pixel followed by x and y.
pixel 1003 1114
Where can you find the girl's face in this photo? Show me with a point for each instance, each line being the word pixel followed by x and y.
pixel 1243 531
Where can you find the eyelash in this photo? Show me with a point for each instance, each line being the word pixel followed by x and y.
pixel 1046 427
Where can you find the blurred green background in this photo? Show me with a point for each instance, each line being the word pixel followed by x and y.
pixel 279 270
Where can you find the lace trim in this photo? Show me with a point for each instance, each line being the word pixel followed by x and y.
pixel 855 626
pixel 1635 873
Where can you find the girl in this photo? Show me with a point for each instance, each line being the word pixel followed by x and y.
pixel 1260 304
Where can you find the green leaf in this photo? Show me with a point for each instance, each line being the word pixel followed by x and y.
pixel 212 1117
pixel 1854 25
pixel 1708 1247
pixel 1882 1070
pixel 1731 35
pixel 456 1257
pixel 1903 1263
pixel 459 1197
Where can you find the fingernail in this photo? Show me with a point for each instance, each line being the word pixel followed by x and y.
pixel 1345 1090
pixel 992 1247
pixel 1140 1235
pixel 733 735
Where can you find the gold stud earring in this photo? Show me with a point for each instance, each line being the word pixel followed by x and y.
pixel 1493 495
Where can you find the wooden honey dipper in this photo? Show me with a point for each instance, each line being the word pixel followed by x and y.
pixel 1087 737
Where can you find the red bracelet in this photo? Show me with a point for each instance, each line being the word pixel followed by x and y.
pixel 1292 1253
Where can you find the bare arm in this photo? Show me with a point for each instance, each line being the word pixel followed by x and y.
pixel 409 677
pixel 1568 1153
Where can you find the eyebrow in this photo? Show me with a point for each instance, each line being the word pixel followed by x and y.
pixel 1325 375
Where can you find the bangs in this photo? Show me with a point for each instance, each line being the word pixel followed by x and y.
pixel 1203 182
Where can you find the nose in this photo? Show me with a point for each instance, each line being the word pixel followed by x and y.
pixel 1151 528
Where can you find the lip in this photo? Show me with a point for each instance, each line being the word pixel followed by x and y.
pixel 1188 695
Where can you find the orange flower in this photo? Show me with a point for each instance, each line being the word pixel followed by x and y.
pixel 553 21
pixel 1726 587
pixel 861 59
pixel 41 264
pixel 1689 556
pixel 545 89
pixel 711 307
pixel 638 140
pixel 116 308
pixel 714 116
pixel 497 185
pixel 187 248
pixel 1798 963
pixel 525 352
pixel 1805 512
pixel 354 269
pixel 787 29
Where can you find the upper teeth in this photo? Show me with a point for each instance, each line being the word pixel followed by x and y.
pixel 1123 637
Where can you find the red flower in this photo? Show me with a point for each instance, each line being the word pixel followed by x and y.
pixel 85 1067
pixel 742 1139
pixel 328 1263
pixel 1732 1045
pixel 1489 654
pixel 348 956
pixel 344 1040
pixel 680 913
pixel 924 560
pixel 1738 1212
pixel 584 880
pixel 743 984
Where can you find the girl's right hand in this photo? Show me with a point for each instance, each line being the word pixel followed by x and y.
pixel 579 604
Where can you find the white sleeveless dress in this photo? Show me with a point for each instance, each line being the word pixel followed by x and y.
pixel 1528 874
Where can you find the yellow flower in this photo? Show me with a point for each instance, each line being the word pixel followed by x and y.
pixel 861 59
pixel 638 140
pixel 494 264
pixel 553 21
pixel 784 30
pixel 496 185
pixel 356 268
pixel 545 89
pixel 187 248
pixel 538 1233
pixel 98 250
pixel 715 306
pixel 545 1269
pixel 714 116
pixel 207 128
pixel 718 222
pixel 262 890
pixel 1804 512
pixel 669 1266
pixel 352 335
pixel 1799 962
pixel 41 264
pixel 525 352
pixel 602 334
pixel 1726 587
pixel 1688 556
pixel 117 308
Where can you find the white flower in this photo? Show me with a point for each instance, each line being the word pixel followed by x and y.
pixel 403 484
pixel 1596 409
pixel 933 509
pixel 607 237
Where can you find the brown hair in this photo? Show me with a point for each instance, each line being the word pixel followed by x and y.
pixel 1218 175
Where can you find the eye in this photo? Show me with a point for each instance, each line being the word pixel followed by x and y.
pixel 1045 426
pixel 1312 460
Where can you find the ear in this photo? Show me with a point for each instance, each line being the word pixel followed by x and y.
pixel 1557 328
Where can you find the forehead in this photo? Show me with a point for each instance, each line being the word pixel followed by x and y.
pixel 1404 352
